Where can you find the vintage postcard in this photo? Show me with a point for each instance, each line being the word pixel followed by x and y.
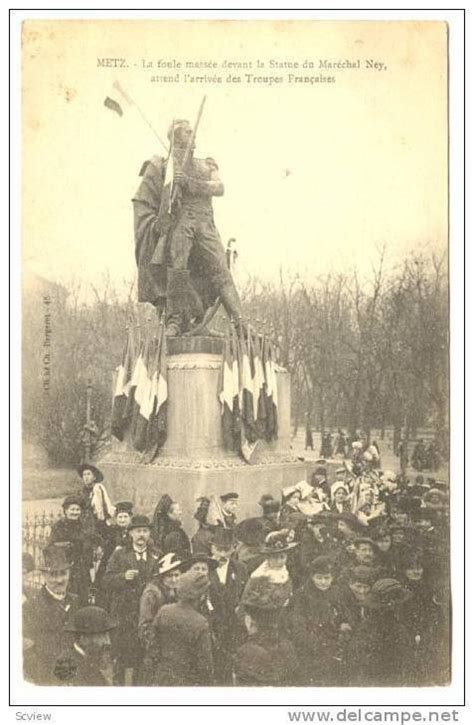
pixel 235 361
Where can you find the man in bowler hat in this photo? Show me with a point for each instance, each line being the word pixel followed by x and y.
pixel 128 571
pixel 86 664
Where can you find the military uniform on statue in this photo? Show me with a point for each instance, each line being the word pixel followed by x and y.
pixel 180 257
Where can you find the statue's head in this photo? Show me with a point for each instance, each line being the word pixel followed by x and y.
pixel 182 132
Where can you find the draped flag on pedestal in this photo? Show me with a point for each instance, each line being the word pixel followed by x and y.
pixel 258 381
pixel 248 392
pixel 157 424
pixel 142 403
pixel 248 419
pixel 122 388
pixel 226 396
pixel 270 390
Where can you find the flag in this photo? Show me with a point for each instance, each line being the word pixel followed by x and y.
pixel 142 402
pixel 226 396
pixel 236 390
pixel 113 105
pixel 270 390
pixel 258 381
pixel 117 96
pixel 247 410
pixel 157 425
pixel 122 389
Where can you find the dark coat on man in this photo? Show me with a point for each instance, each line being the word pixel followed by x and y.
pixel 266 660
pixel 44 618
pixel 74 667
pixel 225 624
pixel 124 601
pixel 182 647
pixel 380 653
pixel 315 618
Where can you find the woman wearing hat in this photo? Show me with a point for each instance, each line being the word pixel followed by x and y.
pixel 317 539
pixel 420 611
pixel 340 498
pixel 70 529
pixel 267 657
pixel 160 590
pixel 355 587
pixel 289 512
pixel 276 547
pixel 117 533
pixel 97 508
pixel 316 623
pixel 201 541
pixel 167 531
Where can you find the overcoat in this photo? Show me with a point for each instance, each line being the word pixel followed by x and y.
pixel 225 624
pixel 44 618
pixel 124 600
pixel 183 650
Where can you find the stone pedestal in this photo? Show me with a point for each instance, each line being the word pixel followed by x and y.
pixel 193 461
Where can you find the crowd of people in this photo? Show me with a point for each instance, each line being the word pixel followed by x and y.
pixel 334 584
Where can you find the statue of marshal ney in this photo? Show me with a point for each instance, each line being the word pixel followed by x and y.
pixel 182 267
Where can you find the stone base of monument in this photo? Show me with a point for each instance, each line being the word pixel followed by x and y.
pixel 193 462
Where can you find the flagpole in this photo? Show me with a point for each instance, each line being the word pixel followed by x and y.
pixel 131 102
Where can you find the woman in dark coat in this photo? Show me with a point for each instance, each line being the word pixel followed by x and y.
pixel 167 531
pixel 202 539
pixel 316 625
pixel 267 657
pixel 70 529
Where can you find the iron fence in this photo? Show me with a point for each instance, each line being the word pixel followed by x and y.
pixel 36 530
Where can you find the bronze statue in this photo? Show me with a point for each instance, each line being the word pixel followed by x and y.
pixel 181 260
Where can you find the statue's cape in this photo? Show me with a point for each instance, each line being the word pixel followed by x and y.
pixel 151 230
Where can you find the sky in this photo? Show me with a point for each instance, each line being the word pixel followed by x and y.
pixel 318 177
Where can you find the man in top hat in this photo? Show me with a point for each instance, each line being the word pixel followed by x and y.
pixel 128 571
pixel 46 614
pixel 86 663
pixel 229 506
pixel 227 582
pixel 98 510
